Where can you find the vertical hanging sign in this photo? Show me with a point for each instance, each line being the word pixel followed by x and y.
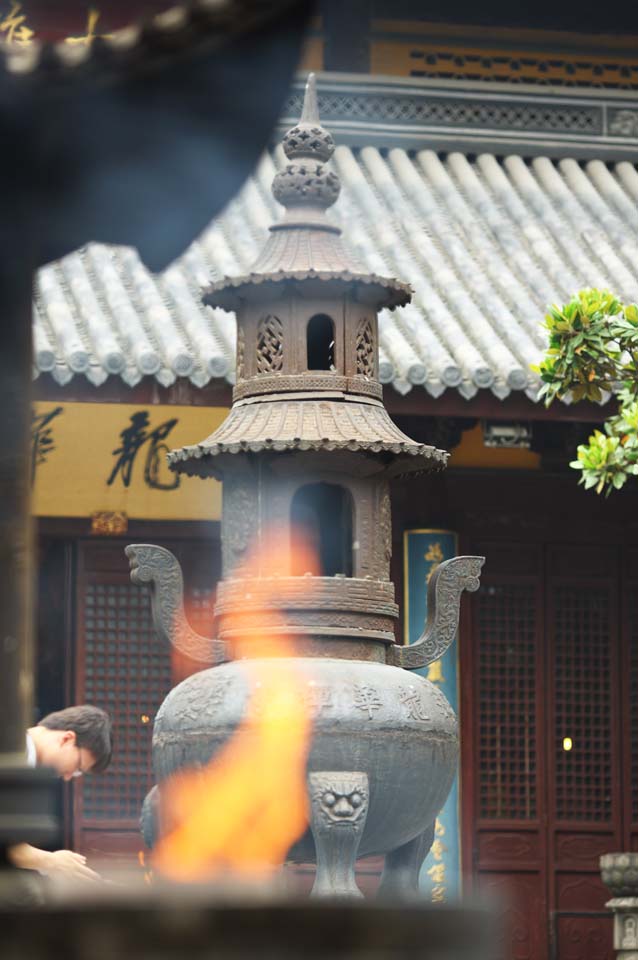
pixel 423 551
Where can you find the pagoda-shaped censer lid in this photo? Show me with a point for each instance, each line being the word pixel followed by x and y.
pixel 307 337
pixel 305 244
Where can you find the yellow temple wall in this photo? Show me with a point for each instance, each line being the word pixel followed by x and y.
pixel 472 452
pixel 94 458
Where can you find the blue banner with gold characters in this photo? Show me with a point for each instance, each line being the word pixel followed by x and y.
pixel 423 551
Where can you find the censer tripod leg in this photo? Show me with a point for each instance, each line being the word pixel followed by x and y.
pixel 402 866
pixel 339 806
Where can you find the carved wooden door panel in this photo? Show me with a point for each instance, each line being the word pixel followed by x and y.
pixel 506 748
pixel 552 762
pixel 123 667
pixel 629 714
pixel 583 743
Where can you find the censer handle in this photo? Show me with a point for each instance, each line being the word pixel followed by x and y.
pixel 445 587
pixel 161 570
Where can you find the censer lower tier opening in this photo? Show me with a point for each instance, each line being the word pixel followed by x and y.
pixel 320 341
pixel 321 516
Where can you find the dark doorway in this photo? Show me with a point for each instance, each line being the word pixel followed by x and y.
pixel 321 516
pixel 321 343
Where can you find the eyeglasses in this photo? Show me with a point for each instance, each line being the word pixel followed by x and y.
pixel 78 772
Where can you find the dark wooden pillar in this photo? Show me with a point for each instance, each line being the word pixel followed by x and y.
pixel 16 667
pixel 26 796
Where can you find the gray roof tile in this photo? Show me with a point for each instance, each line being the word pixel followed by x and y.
pixel 486 244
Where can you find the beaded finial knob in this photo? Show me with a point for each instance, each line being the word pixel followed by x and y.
pixel 306 181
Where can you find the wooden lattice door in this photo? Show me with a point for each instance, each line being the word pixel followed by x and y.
pixel 508 841
pixel 122 666
pixel 552 760
pixel 585 800
pixel 629 716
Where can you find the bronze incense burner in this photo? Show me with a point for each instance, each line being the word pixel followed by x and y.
pixel 308 445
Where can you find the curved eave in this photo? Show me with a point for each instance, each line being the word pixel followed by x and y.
pixel 384 292
pixel 401 458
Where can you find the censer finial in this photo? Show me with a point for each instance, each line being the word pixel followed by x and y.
pixel 310 111
pixel 306 181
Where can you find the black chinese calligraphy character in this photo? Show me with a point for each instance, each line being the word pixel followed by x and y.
pixel 132 439
pixel 42 442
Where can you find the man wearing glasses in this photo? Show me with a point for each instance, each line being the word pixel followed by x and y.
pixel 72 742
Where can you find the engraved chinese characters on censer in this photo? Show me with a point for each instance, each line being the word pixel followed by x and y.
pixel 309 445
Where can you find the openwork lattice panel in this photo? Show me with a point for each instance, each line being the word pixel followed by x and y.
pixel 241 350
pixel 270 345
pixel 365 349
pixel 507 664
pixel 514 66
pixel 454 112
pixel 128 672
pixel 583 707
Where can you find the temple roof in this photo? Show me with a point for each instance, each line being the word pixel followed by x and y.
pixel 485 243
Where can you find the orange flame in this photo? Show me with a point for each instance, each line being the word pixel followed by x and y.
pixel 247 807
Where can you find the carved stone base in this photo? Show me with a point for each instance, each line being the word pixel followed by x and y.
pixel 402 866
pixel 339 807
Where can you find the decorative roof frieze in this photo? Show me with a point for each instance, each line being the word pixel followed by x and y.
pixel 366 110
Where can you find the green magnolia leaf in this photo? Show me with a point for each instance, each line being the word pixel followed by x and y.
pixel 592 351
pixel 579 392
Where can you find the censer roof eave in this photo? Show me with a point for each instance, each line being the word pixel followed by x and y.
pixel 203 461
pixel 382 292
pixel 285 424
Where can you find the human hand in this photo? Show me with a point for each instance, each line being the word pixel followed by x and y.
pixel 67 864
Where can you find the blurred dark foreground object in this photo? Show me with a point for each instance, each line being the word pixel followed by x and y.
pixel 180 925
pixel 142 137
pixel 137 139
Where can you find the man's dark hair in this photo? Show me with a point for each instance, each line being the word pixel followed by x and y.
pixel 92 728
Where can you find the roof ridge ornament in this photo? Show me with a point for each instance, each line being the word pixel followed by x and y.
pixel 305 181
